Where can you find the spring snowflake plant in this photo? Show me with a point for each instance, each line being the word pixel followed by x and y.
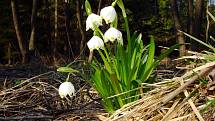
pixel 125 66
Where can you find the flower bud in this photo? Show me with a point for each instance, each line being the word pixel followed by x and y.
pixel 95 43
pixel 65 89
pixel 113 34
pixel 92 21
pixel 108 14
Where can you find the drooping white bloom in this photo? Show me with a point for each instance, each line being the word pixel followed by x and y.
pixel 95 43
pixel 65 89
pixel 108 14
pixel 113 34
pixel 92 21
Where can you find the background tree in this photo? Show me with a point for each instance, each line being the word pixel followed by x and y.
pixel 31 26
pixel 19 34
pixel 178 26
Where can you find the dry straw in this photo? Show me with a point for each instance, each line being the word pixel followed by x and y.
pixel 178 99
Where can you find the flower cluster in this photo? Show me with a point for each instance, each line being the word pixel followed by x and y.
pixel 94 21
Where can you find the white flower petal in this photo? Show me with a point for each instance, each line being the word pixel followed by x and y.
pixel 65 89
pixel 95 43
pixel 92 21
pixel 108 14
pixel 113 34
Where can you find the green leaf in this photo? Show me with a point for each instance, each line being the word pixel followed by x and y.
pixel 139 39
pixel 133 59
pixel 88 7
pixel 137 82
pixel 67 70
pixel 151 53
pixel 133 38
pixel 147 67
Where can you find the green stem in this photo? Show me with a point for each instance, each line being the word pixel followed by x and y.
pixel 116 86
pixel 114 3
pixel 105 50
pixel 107 55
pixel 107 65
pixel 121 5
pixel 67 79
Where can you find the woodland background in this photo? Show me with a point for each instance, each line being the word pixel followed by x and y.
pixel 53 32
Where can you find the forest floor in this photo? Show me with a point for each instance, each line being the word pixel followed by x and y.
pixel 30 92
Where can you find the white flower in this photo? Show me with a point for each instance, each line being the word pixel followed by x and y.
pixel 113 34
pixel 108 14
pixel 65 89
pixel 95 43
pixel 92 21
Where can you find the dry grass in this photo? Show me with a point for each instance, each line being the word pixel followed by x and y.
pixel 37 98
pixel 179 99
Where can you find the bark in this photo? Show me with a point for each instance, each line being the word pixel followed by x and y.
pixel 198 17
pixel 155 8
pixel 9 53
pixel 18 31
pixel 180 36
pixel 67 25
pixel 33 22
pixel 56 31
pixel 190 21
pixel 190 17
pixel 48 27
pixel 80 26
pixel 197 23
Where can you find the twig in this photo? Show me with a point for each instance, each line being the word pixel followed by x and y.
pixel 27 80
pixel 181 118
pixel 171 110
pixel 171 95
pixel 27 117
pixel 192 104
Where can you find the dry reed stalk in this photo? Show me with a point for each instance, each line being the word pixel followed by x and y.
pixel 165 101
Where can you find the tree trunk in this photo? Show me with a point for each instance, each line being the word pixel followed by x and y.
pixel 190 17
pixel 80 26
pixel 67 25
pixel 197 23
pixel 48 28
pixel 198 17
pixel 155 8
pixel 33 22
pixel 55 32
pixel 19 33
pixel 180 36
pixel 190 22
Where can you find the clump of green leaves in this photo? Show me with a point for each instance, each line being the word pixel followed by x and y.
pixel 118 78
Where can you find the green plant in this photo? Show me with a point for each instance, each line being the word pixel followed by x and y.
pixel 125 66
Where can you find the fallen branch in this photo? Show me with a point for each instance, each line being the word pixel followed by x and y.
pixel 195 110
pixel 173 94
